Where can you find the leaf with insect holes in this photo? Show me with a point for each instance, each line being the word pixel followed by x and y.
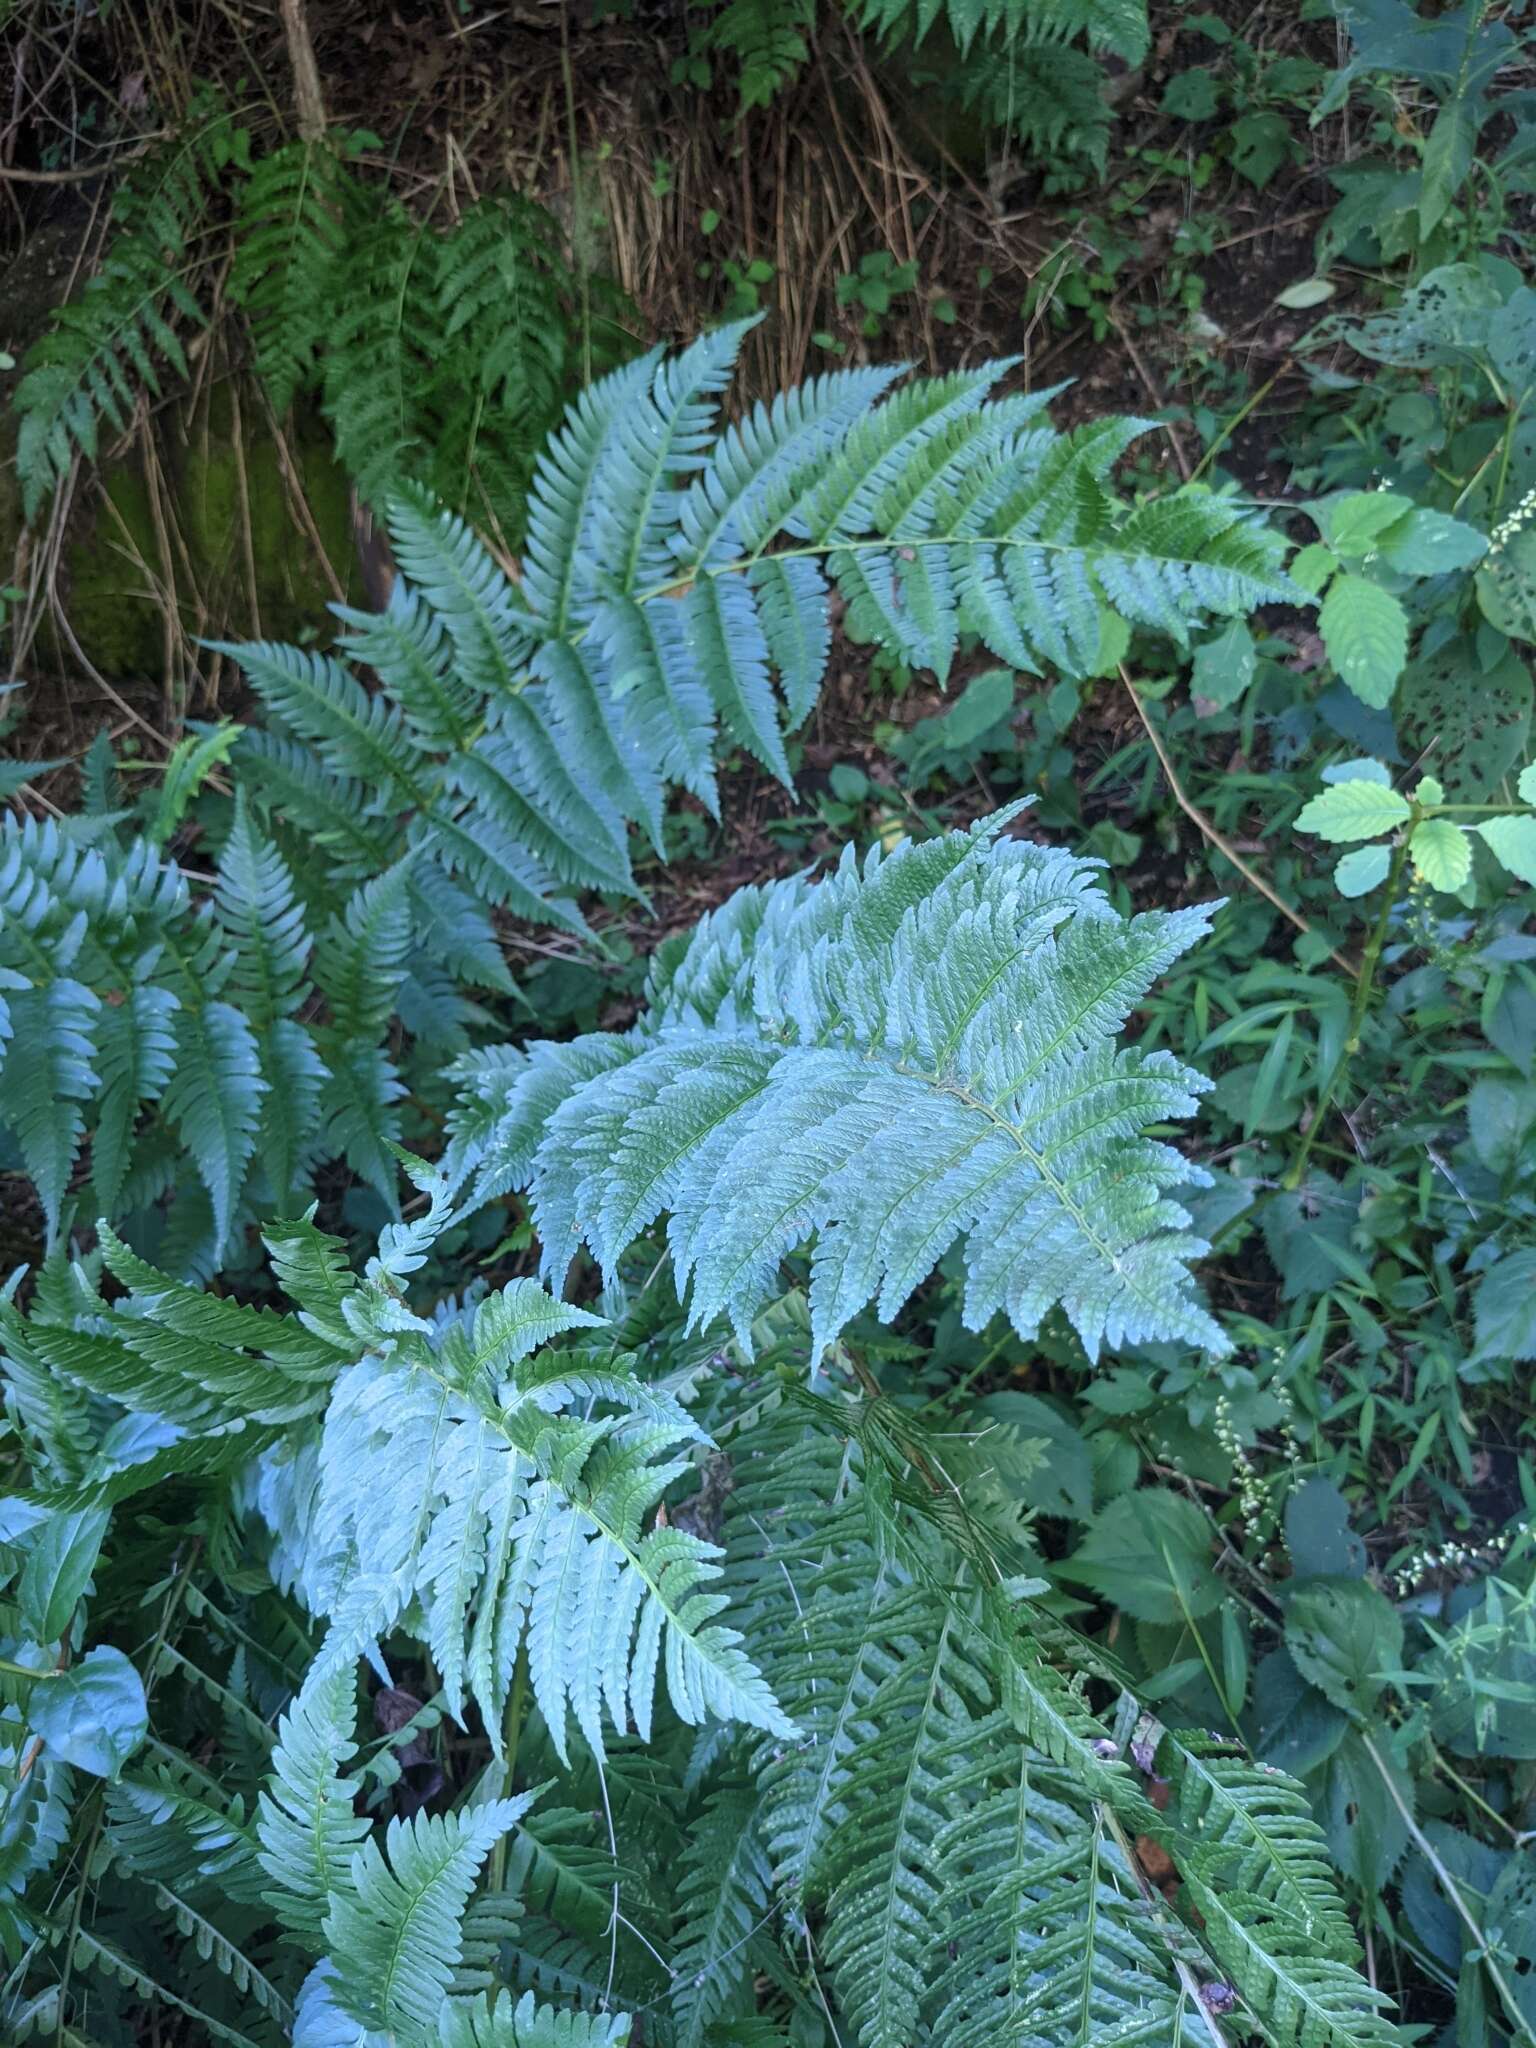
pixel 1353 810
pixel 1341 1634
pixel 1441 853
pixel 1365 631
pixel 1512 841
pixel 1361 871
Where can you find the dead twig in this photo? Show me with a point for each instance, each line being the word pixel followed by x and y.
pixel 1222 844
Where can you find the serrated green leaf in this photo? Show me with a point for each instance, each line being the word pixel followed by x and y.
pixel 1526 786
pixel 1353 810
pixel 1357 873
pixel 1365 631
pixel 1352 521
pixel 1441 853
pixel 1341 1634
pixel 1512 841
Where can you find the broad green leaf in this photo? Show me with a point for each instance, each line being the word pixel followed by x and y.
pixel 1441 853
pixel 58 1568
pixel 1428 543
pixel 1362 769
pixel 1505 1308
pixel 1313 565
pixel 1366 1831
pixel 1224 667
pixel 1447 158
pixel 1365 631
pixel 1476 715
pixel 1526 786
pixel 1353 521
pixel 1149 1554
pixel 1341 1633
pixel 1353 810
pixel 1513 841
pixel 1307 292
pixel 1501 1116
pixel 92 1716
pixel 1318 1535
pixel 1506 584
pixel 1357 873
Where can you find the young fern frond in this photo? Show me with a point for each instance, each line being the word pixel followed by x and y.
pixel 1116 26
pixel 764 40
pixel 306 1826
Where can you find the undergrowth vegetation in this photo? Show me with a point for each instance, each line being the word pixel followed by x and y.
pixel 771 1236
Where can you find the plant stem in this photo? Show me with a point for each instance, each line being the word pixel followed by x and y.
pixel 1520 2025
pixel 511 1734
pixel 1223 846
pixel 578 221
pixel 1357 1010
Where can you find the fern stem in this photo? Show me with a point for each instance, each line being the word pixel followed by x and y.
pixel 1520 2025
pixel 511 1735
pixel 1357 1011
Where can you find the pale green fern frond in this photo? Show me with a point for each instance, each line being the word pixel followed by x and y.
pixel 306 1828
pixel 905 1054
pixel 394 1935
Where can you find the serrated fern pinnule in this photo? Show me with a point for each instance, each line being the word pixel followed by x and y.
pixel 908 1053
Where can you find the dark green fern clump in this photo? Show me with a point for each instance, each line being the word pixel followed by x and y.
pixel 440 354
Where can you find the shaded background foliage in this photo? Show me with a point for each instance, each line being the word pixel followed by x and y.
pixel 1299 240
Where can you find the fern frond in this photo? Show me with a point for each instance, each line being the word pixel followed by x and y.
pixel 168 1828
pixel 394 1935
pixel 520 1522
pixel 49 1076
pixel 112 343
pixel 723 1903
pixel 293 217
pixel 306 1828
pixel 1117 26
pixel 1259 1875
pixel 893 1059
pixel 766 40
pixel 500 2021
pixel 359 737
pixel 213 1098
